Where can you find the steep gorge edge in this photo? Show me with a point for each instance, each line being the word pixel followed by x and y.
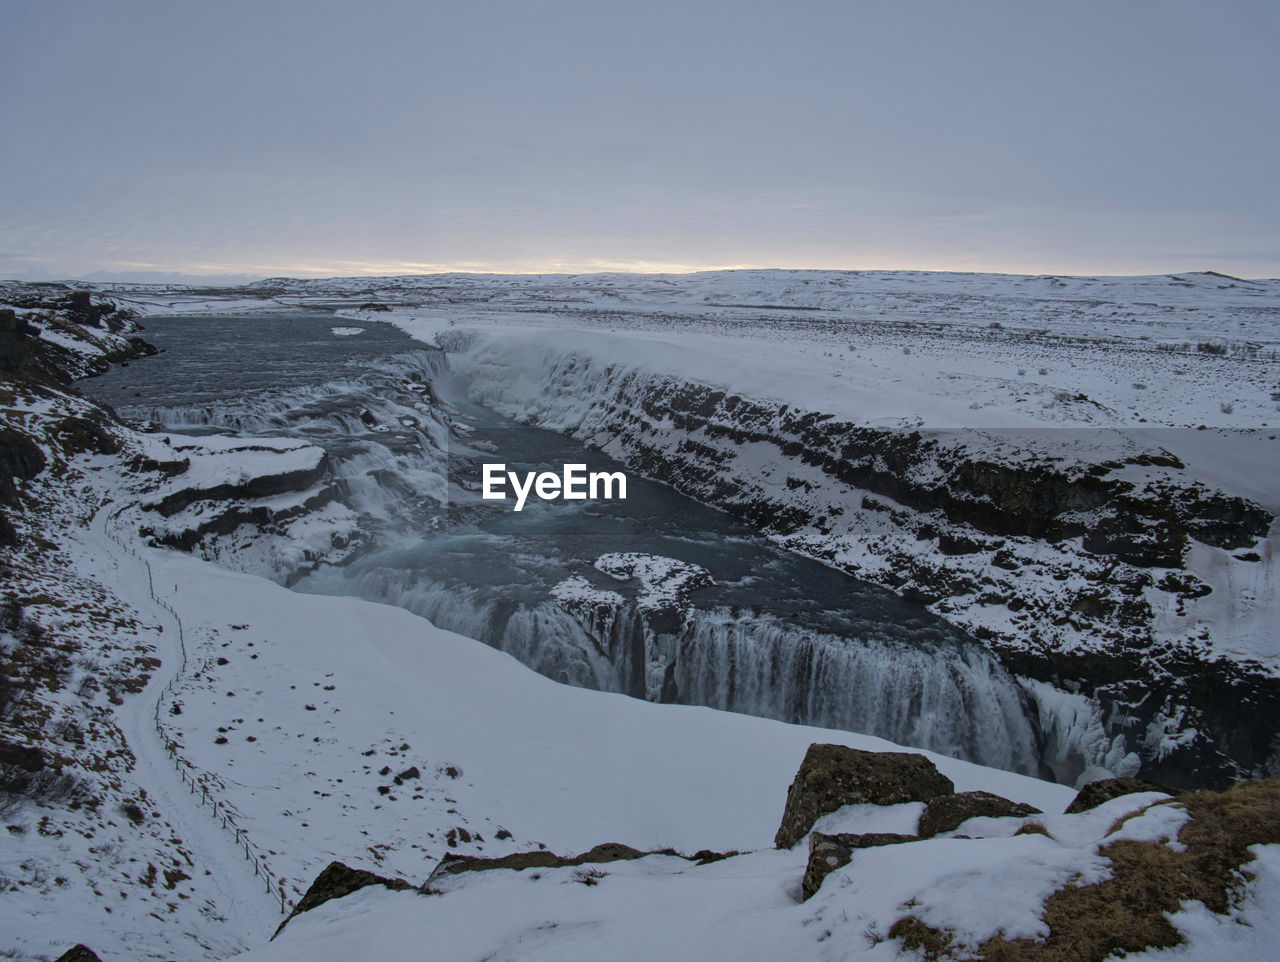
pixel 1053 565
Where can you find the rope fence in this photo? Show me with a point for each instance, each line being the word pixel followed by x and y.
pixel 196 780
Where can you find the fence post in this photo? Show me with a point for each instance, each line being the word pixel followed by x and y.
pixel 228 823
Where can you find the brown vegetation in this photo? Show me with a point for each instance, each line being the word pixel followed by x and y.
pixel 1149 881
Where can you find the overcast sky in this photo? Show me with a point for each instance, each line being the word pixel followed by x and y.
pixel 304 138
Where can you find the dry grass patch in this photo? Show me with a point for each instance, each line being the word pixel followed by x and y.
pixel 1149 880
pixel 932 943
pixel 1033 826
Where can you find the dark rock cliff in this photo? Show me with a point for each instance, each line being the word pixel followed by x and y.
pixel 1052 561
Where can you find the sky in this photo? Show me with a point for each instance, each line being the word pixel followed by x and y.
pixel 147 139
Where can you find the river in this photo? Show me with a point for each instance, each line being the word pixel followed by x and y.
pixel 657 596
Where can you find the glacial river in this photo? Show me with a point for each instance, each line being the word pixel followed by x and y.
pixel 755 629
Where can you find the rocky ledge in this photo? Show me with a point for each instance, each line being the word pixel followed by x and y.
pixel 1081 558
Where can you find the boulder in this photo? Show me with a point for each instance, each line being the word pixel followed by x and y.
pixel 336 881
pixel 828 852
pixel 26 757
pixel 20 460
pixel 1095 793
pixel 945 813
pixel 79 953
pixel 832 776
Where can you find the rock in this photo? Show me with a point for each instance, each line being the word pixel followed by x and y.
pixel 20 460
pixel 706 856
pixel 613 852
pixel 828 852
pixel 80 953
pixel 453 864
pixel 945 813
pixel 519 861
pixel 26 757
pixel 336 881
pixel 954 544
pixel 1095 793
pixel 79 308
pixel 832 776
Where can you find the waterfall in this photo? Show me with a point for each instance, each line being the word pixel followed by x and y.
pixel 954 699
pixel 936 692
pixel 387 435
pixel 885 672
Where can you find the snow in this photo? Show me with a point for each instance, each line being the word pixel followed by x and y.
pixel 664 582
pixel 164 301
pixel 566 768
pixel 1251 932
pixel 578 590
pixel 955 382
pixel 217 460
pixel 314 697
pixel 636 768
pixel 746 907
pixel 224 443
pixel 903 819
pixel 496 746
pixel 950 349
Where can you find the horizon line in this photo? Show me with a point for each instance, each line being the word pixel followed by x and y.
pixel 254 277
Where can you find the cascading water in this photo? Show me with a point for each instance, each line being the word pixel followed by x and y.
pixel 930 689
pixel 386 434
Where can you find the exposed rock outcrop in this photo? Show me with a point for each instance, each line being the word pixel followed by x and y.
pixel 947 812
pixel 829 852
pixel 258 486
pixel 832 776
pixel 79 953
pixel 1095 793
pixel 28 758
pixel 1015 524
pixel 453 864
pixel 90 336
pixel 519 861
pixel 336 881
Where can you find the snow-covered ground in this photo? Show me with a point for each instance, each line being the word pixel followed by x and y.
pixel 298 712
pixel 331 728
pixel 754 390
pixel 746 908
pixel 874 346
